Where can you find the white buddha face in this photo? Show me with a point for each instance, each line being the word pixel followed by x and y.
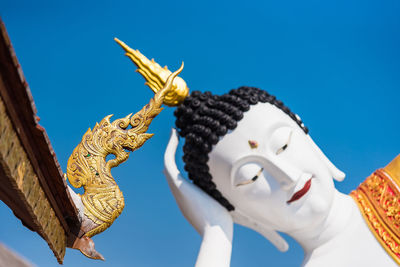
pixel 285 182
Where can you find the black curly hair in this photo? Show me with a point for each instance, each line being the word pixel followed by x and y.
pixel 203 118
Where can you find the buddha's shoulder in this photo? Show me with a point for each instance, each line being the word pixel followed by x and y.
pixel 393 168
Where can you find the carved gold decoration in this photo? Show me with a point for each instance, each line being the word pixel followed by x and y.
pixel 88 168
pixel 20 173
pixel 378 198
pixel 156 76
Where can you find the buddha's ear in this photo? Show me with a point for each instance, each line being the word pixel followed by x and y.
pixel 273 236
pixel 337 174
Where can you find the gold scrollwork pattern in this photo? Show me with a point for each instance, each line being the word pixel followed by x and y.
pixel 378 200
pixel 88 168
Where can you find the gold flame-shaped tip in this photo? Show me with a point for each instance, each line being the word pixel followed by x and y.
pixel 156 76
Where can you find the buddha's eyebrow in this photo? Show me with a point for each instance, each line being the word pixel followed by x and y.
pixel 280 150
pixel 253 144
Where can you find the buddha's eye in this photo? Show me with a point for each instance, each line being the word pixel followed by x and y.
pixel 283 148
pixel 252 180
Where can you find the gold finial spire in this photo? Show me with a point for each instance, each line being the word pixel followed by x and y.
pixel 156 76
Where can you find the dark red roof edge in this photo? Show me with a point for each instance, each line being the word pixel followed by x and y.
pixel 20 105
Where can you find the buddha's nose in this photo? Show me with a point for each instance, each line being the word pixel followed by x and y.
pixel 287 174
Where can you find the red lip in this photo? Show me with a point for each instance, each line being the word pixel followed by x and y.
pixel 301 192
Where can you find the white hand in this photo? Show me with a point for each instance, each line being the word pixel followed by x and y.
pixel 199 208
pixel 274 237
pixel 210 219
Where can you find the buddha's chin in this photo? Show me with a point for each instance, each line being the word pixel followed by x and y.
pixel 314 212
pixel 319 200
pixel 310 213
pixel 320 205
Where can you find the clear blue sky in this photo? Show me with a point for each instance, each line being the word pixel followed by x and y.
pixel 336 63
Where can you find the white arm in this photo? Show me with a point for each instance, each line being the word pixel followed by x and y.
pixel 216 248
pixel 212 221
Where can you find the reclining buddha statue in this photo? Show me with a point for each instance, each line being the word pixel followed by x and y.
pixel 251 161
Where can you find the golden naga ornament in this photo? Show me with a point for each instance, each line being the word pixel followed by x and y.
pixel 88 168
pixel 156 76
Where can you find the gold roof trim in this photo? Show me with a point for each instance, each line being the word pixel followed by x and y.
pixel 25 182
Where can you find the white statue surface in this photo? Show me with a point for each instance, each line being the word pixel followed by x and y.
pixel 278 180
